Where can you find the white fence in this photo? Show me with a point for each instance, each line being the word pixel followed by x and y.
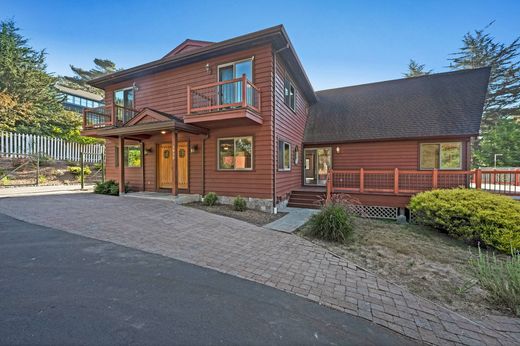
pixel 19 144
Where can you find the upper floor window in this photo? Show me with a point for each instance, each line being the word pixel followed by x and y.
pixel 235 153
pixel 441 155
pixel 289 94
pixel 231 92
pixel 284 156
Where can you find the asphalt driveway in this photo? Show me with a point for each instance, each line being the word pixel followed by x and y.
pixel 62 288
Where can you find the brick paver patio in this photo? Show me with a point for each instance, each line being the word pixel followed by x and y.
pixel 280 260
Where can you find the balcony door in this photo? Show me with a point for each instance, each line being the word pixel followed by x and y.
pixel 124 104
pixel 230 93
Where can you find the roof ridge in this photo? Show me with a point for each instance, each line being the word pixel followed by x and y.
pixel 431 75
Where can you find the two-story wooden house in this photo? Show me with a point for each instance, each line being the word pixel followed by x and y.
pixel 240 117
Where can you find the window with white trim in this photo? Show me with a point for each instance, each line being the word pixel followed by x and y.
pixel 235 154
pixel 441 155
pixel 284 156
pixel 289 94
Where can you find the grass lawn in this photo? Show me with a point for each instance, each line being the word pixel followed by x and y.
pixel 255 217
pixel 426 262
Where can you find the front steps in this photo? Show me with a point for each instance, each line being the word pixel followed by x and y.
pixel 306 198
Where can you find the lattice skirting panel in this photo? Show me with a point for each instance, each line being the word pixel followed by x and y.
pixel 376 212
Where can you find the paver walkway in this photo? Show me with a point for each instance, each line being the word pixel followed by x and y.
pixel 276 259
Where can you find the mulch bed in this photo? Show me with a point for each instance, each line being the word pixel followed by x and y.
pixel 255 217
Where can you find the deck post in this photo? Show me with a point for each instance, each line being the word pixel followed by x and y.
pixel 396 181
pixel 244 90
pixel 517 177
pixel 175 190
pixel 435 178
pixel 478 179
pixel 121 154
pixel 329 185
pixel 361 180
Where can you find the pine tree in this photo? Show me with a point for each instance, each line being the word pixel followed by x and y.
pixel 29 102
pixel 415 69
pixel 81 76
pixel 480 49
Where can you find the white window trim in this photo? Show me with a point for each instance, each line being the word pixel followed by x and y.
pixel 234 150
pixel 291 84
pixel 283 156
pixel 440 156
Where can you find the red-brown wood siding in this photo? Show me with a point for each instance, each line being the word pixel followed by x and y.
pixel 289 127
pixel 402 154
pixel 166 91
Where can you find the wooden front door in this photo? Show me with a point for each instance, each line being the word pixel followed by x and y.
pixel 182 165
pixel 165 166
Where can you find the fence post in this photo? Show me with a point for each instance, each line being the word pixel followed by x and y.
pixel 517 177
pixel 81 173
pixel 435 178
pixel 37 169
pixel 361 180
pixel 102 167
pixel 396 181
pixel 478 179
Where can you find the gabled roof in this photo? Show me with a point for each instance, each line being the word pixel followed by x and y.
pixel 152 114
pixel 276 35
pixel 187 46
pixel 436 105
pixel 79 92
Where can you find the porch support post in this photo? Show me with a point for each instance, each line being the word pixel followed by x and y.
pixel 121 154
pixel 175 189
pixel 142 165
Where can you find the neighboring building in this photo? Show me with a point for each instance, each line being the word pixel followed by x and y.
pixel 240 117
pixel 77 100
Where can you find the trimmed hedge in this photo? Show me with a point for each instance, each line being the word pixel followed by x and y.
pixel 472 215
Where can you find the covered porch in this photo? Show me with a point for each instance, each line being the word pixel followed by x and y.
pixel 153 153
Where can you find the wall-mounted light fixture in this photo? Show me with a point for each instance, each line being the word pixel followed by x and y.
pixel 136 88
pixel 208 68
pixel 148 151
pixel 163 132
pixel 194 148
pixel 337 150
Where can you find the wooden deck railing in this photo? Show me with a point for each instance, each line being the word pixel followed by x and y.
pixel 107 116
pixel 408 182
pixel 235 93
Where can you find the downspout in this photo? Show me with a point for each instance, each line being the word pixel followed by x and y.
pixel 204 164
pixel 275 53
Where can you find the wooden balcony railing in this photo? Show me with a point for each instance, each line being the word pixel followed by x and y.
pixel 107 116
pixel 408 182
pixel 226 95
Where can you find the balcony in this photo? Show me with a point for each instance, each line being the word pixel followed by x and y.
pixel 95 118
pixel 219 104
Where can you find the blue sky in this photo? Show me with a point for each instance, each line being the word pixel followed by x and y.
pixel 339 42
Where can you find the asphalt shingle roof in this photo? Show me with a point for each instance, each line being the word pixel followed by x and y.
pixel 441 104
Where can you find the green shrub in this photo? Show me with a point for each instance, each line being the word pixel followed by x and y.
pixel 501 278
pixel 42 179
pixel 210 199
pixel 239 204
pixel 109 187
pixel 5 181
pixel 97 166
pixel 472 215
pixel 334 223
pixel 76 170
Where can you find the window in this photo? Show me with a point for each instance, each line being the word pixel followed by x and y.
pixel 232 92
pixel 284 156
pixel 289 94
pixel 235 153
pixel 441 155
pixel 132 154
pixel 124 98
